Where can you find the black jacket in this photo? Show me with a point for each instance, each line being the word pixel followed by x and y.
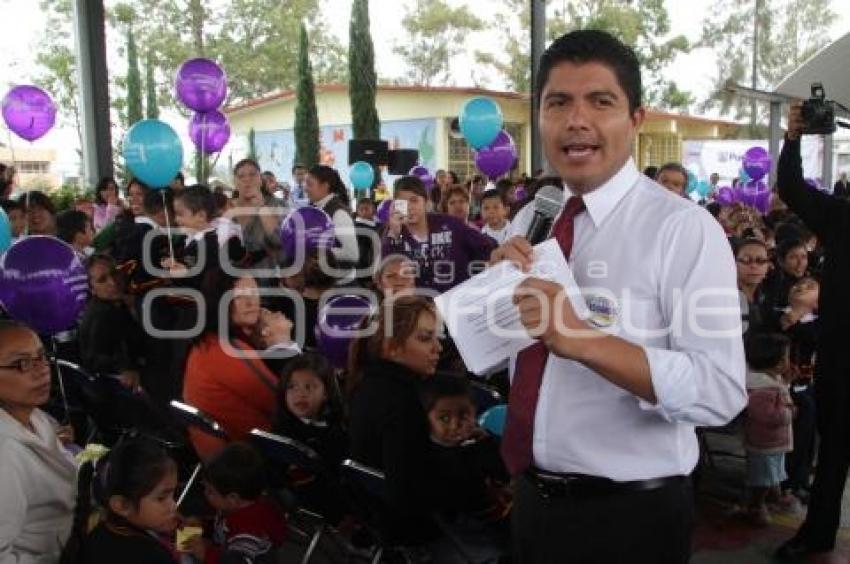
pixel 389 431
pixel 111 340
pixel 110 543
pixel 829 219
pixel 209 250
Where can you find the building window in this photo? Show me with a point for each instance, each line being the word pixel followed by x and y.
pixel 657 149
pixel 462 161
pixel 32 167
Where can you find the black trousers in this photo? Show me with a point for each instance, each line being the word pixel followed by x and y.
pixel 832 400
pixel 798 463
pixel 652 527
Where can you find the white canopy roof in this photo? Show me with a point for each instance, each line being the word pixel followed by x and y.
pixel 830 66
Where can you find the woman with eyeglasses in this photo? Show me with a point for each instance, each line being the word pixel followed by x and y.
pixel 753 263
pixel 39 477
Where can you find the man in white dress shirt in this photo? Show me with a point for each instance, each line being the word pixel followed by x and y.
pixel 601 435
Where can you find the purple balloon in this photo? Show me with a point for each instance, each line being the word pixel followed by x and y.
pixel 337 324
pixel 748 193
pixel 725 196
pixel 201 84
pixel 763 200
pixel 43 284
pixel 209 131
pixel 29 112
pixel 497 158
pixel 813 183
pixel 385 208
pixel 306 229
pixel 423 174
pixel 756 163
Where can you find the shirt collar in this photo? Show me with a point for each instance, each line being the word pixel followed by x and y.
pixel 145 220
pixel 323 202
pixel 198 235
pixel 602 200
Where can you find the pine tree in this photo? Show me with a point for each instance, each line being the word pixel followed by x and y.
pixel 134 80
pixel 150 86
pixel 361 72
pixel 306 114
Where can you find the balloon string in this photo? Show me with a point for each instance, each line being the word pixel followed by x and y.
pixel 203 179
pixel 61 380
pixel 167 225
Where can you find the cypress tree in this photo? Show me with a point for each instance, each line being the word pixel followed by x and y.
pixel 362 81
pixel 134 80
pixel 306 114
pixel 150 86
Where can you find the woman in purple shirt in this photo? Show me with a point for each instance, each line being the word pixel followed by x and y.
pixel 445 250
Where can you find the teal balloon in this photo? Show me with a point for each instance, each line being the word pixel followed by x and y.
pixel 743 177
pixel 493 420
pixel 362 175
pixel 5 232
pixel 480 121
pixel 153 152
pixel 703 188
pixel 692 182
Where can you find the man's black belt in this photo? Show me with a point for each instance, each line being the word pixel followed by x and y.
pixel 581 486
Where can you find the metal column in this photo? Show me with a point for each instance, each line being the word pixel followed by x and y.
pixel 94 90
pixel 538 44
pixel 775 135
pixel 826 174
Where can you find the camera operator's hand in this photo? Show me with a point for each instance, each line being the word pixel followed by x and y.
pixel 796 123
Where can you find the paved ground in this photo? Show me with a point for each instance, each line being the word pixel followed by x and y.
pixel 724 537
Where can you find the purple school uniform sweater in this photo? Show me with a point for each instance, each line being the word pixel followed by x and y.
pixel 444 260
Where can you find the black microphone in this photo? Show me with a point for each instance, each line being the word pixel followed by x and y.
pixel 547 204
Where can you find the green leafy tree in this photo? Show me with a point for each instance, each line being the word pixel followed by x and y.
pixel 362 83
pixel 306 114
pixel 436 33
pixel 758 43
pixel 152 105
pixel 642 24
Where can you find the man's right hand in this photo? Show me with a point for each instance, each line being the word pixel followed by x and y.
pixel 517 250
pixel 396 220
pixel 796 123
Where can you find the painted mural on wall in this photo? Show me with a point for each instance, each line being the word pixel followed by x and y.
pixel 276 149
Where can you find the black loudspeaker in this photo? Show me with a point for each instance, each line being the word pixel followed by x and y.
pixel 375 152
pixel 402 160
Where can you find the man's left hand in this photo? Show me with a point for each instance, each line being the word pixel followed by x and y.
pixel 547 314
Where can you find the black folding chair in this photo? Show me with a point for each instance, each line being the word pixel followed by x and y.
pixel 289 452
pixel 485 396
pixel 189 416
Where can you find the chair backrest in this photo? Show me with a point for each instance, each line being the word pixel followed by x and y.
pixel 484 396
pixel 365 477
pixel 190 416
pixel 287 451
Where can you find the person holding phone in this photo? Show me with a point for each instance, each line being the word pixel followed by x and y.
pixel 446 250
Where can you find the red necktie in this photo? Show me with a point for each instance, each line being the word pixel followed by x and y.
pixel 530 363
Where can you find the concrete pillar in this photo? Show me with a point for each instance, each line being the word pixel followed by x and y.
pixel 94 90
pixel 826 174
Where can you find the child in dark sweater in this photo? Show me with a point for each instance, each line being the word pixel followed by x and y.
pixel 248 526
pixel 310 411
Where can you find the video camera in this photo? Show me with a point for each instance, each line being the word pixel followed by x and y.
pixel 818 112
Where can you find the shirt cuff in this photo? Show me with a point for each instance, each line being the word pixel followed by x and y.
pixel 285 350
pixel 672 382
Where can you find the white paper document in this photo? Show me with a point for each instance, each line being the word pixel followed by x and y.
pixel 480 314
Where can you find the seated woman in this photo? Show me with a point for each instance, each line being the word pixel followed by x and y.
pixel 111 339
pixel 226 376
pixel 388 426
pixel 39 485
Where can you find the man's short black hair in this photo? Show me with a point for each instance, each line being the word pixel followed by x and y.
pixel 237 468
pixel 69 223
pixel 153 199
pixel 675 167
pixel 363 201
pixel 443 385
pixel 495 194
pixel 591 45
pixel 296 166
pixel 198 198
pixel 766 350
pixel 410 184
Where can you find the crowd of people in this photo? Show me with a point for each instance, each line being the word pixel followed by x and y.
pixel 404 404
